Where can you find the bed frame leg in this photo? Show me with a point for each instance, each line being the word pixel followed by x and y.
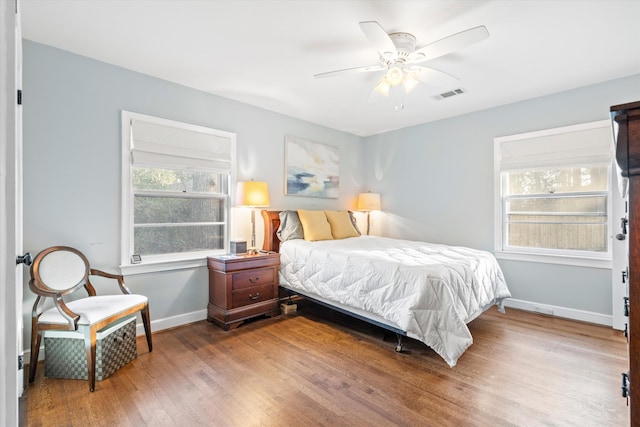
pixel 289 299
pixel 290 294
pixel 399 345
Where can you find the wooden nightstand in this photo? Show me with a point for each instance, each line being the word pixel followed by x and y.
pixel 241 287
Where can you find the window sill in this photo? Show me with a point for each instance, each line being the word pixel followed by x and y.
pixel 555 259
pixel 155 266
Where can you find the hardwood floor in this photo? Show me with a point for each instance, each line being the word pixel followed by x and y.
pixel 318 367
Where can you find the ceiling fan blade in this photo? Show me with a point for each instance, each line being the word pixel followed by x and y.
pixel 350 71
pixel 434 77
pixel 378 37
pixel 449 44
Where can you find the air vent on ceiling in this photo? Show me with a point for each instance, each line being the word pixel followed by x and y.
pixel 450 93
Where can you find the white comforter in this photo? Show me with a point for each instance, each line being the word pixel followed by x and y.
pixel 430 291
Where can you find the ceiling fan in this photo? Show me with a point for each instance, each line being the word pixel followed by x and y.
pixel 399 57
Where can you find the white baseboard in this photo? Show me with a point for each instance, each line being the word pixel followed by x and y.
pixel 567 313
pixel 173 321
pixel 156 326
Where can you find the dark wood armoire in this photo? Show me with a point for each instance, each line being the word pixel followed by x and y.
pixel 626 124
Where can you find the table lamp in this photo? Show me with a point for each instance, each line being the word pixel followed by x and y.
pixel 368 202
pixel 252 194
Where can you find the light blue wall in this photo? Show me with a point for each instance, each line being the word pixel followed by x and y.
pixel 436 179
pixel 72 161
pixel 436 184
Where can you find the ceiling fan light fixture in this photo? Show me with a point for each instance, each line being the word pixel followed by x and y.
pixel 409 82
pixel 383 86
pixel 395 75
pixel 398 58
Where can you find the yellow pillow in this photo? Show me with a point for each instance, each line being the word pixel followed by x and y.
pixel 315 225
pixel 341 225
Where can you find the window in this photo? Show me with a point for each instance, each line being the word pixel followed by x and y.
pixel 553 193
pixel 176 190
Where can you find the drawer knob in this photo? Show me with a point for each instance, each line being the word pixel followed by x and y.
pixel 254 297
pixel 254 279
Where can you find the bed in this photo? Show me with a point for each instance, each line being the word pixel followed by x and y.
pixel 425 291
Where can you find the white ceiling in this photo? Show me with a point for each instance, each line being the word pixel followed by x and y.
pixel 265 53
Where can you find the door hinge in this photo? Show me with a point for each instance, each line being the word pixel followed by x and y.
pixel 19 96
pixel 20 362
pixel 626 386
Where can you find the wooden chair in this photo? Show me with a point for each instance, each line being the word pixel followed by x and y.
pixel 60 271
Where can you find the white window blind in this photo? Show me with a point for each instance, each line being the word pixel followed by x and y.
pixel 157 145
pixel 175 192
pixel 584 147
pixel 552 195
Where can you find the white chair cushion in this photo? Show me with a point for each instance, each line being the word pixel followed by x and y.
pixel 94 309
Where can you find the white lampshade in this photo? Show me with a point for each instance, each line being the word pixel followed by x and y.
pixel 368 202
pixel 395 75
pixel 383 86
pixel 409 82
pixel 252 194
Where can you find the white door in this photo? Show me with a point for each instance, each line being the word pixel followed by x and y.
pixel 10 214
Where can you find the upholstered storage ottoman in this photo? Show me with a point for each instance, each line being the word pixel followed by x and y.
pixel 64 355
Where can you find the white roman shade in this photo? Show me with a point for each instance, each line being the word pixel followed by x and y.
pixel 156 145
pixel 539 150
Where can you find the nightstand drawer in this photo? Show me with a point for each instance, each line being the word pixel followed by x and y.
pixel 257 277
pixel 252 295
